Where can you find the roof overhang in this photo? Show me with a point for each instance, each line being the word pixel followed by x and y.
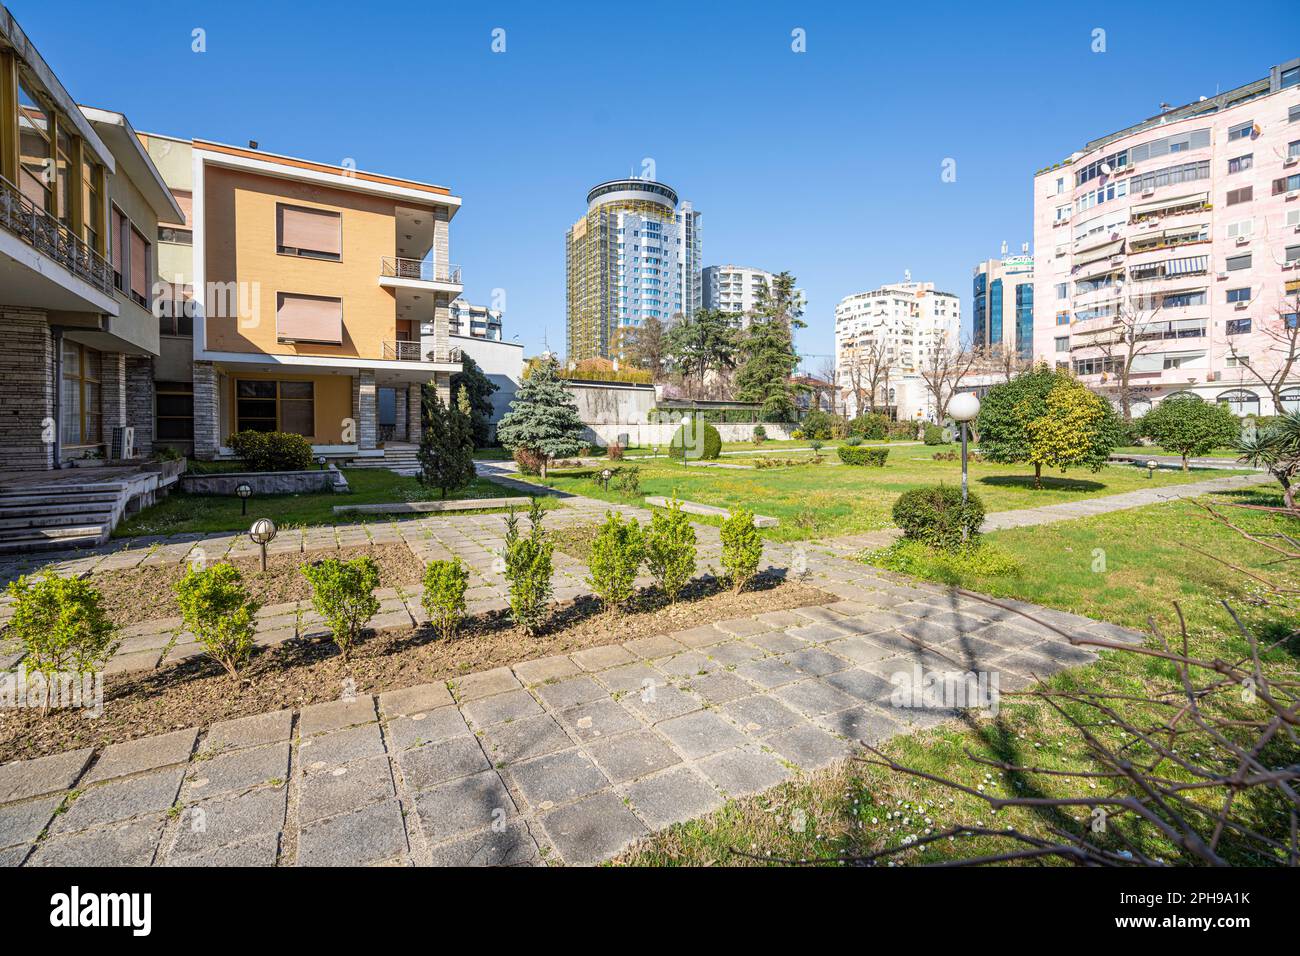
pixel 134 161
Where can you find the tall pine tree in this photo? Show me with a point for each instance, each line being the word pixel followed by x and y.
pixel 480 389
pixel 446 452
pixel 768 351
pixel 543 418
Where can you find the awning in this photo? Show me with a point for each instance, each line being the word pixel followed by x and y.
pixel 1104 251
pixel 1145 208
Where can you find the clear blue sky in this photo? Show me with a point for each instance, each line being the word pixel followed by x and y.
pixel 826 163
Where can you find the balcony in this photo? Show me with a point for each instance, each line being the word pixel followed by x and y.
pixel 41 232
pixel 407 351
pixel 401 271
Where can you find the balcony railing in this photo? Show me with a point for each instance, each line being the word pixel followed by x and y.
pixel 34 226
pixel 394 267
pixel 411 352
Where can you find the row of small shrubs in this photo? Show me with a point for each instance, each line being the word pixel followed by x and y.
pixel 786 462
pixel 272 451
pixel 858 455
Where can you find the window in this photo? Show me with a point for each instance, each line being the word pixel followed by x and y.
pixel 1238 326
pixel 1293 149
pixel 140 264
pixel 1241 228
pixel 1293 253
pixel 309 318
pixel 181 237
pixel 312 233
pixel 1240 402
pixel 174 411
pixel 1177 143
pixel 1237 263
pixel 63 180
pixel 1063 343
pixel 1239 295
pixel 1289 400
pixel 35 156
pixel 1062 290
pixel 1287 184
pixel 1063 318
pixel 1180 300
pixel 1241 163
pixel 175 309
pixel 92 205
pixel 1170 176
pixel 1290 77
pixel 1241 130
pixel 1293 114
pixel 1244 194
pixel 268 406
pixel 79 401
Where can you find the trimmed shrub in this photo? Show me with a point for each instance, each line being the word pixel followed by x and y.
pixel 742 547
pixel 445 583
pixel 857 455
pixel 760 434
pixel 528 568
pixel 816 445
pixel 615 557
pixel 955 567
pixel 902 431
pixel 272 451
pixel 343 592
pixel 627 479
pixel 712 443
pixel 217 610
pixel 935 434
pixel 61 625
pixel 817 424
pixel 872 426
pixel 853 441
pixel 670 550
pixel 530 462
pixel 938 517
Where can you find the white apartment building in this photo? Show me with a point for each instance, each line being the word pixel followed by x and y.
pixel 476 321
pixel 896 326
pixel 735 289
pixel 1175 244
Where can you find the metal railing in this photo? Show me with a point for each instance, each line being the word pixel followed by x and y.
pixel 404 351
pixel 36 227
pixel 423 269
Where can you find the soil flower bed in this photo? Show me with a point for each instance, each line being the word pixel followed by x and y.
pixel 146 593
pixel 197 692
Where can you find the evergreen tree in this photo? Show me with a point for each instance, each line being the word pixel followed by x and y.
pixel 707 340
pixel 480 389
pixel 446 444
pixel 768 350
pixel 543 418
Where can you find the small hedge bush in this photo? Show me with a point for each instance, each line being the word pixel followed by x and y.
pixel 902 431
pixel 272 451
pixel 871 426
pixel 217 609
pixel 853 440
pixel 742 547
pixel 935 434
pixel 817 424
pixel 61 624
pixel 670 550
pixel 856 455
pixel 712 443
pixel 937 516
pixel 615 558
pixel 343 593
pixel 528 566
pixel 529 462
pixel 760 434
pixel 445 583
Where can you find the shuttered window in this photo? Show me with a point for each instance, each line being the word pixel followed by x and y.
pixel 309 318
pixel 315 233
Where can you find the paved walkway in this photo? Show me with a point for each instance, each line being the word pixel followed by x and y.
pixel 563 759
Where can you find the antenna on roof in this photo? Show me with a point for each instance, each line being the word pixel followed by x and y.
pixel 252 144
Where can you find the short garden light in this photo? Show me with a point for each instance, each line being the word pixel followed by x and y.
pixel 245 491
pixel 605 475
pixel 1152 464
pixel 686 427
pixel 263 533
pixel 320 460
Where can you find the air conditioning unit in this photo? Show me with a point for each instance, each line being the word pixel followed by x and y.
pixel 1148 193
pixel 123 446
pixel 1291 194
pixel 1221 275
pixel 1242 240
pixel 1291 160
pixel 1241 305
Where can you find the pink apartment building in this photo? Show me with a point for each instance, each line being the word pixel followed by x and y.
pixel 1172 248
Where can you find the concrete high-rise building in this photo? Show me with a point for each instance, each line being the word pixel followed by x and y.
pixel 1003 304
pixel 896 328
pixel 1172 248
pixel 634 256
pixel 735 289
pixel 477 321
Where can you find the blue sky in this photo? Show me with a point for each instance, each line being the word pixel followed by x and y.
pixel 826 163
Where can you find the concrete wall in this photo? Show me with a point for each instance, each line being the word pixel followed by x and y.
pixel 501 362
pixel 611 410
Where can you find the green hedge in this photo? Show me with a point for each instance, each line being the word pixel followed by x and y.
pixel 712 443
pixel 870 426
pixel 272 451
pixel 934 434
pixel 856 455
pixel 937 516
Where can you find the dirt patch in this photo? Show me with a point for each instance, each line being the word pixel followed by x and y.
pixel 197 693
pixel 145 594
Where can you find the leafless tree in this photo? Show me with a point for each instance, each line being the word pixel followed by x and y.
pixel 1273 361
pixel 1001 362
pixel 867 368
pixel 943 368
pixel 826 372
pixel 1133 331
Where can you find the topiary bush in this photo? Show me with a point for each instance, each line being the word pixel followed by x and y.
pixel 615 557
pixel 937 516
pixel 858 455
pixel 445 583
pixel 670 550
pixel 217 610
pixel 742 547
pixel 343 592
pixel 711 445
pixel 272 451
pixel 935 434
pixel 871 426
pixel 61 625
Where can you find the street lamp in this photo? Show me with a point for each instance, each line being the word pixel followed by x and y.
pixel 963 408
pixel 263 533
pixel 686 427
pixel 245 491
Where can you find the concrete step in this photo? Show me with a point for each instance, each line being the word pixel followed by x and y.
pixel 66 488
pixel 54 498
pixel 99 518
pixel 92 539
pixel 53 506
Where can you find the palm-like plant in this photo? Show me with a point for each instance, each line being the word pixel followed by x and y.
pixel 1276 448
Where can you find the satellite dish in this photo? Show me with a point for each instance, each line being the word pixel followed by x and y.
pixel 1105 169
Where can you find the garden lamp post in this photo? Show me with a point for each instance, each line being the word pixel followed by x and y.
pixel 320 460
pixel 605 475
pixel 263 533
pixel 245 491
pixel 686 427
pixel 963 408
pixel 1151 468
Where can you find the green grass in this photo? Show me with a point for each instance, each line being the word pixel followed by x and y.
pixel 818 500
pixel 180 513
pixel 1146 567
pixel 1151 450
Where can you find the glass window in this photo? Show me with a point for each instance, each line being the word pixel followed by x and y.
pixel 1241 163
pixel 174 411
pixel 1238 326
pixel 1239 295
pixel 1240 402
pixel 1289 400
pixel 1245 194
pixel 36 166
pixel 1236 263
pixel 268 406
pixel 79 411
pixel 1241 130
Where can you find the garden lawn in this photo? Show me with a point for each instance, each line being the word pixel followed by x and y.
pixel 815 501
pixel 860 808
pixel 180 513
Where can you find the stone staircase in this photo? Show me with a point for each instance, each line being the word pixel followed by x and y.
pixel 401 457
pixel 60 515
